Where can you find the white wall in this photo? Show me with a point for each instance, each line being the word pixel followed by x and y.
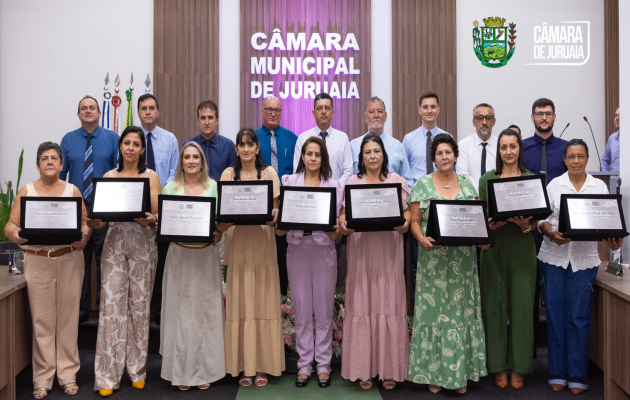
pixel 230 79
pixel 381 67
pixel 624 97
pixel 52 53
pixel 577 91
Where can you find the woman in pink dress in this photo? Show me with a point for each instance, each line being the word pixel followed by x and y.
pixel 375 338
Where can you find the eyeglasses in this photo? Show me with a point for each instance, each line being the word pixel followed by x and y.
pixel 580 157
pixel 480 118
pixel 541 114
pixel 273 110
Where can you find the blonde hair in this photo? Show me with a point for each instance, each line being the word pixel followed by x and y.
pixel 202 177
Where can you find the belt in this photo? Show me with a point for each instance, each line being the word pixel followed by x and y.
pixel 52 254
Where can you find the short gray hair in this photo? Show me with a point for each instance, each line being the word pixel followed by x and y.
pixel 483 105
pixel 374 99
pixel 49 146
pixel 87 96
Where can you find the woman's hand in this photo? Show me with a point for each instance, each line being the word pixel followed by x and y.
pixel 336 235
pixel 17 239
pixel 425 243
pixel 80 245
pixel 281 232
pixel 495 225
pixel 217 236
pixel 223 226
pixel 148 221
pixel 556 237
pixel 274 213
pixel 614 244
pixel 522 223
pixel 484 246
pixel 403 229
pixel 95 223
pixel 343 227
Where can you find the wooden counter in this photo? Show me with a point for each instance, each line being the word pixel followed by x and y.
pixel 16 332
pixel 610 332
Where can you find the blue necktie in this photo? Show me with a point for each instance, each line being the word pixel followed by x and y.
pixel 150 155
pixel 274 151
pixel 88 170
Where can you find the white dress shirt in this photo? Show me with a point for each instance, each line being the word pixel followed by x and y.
pixel 339 154
pixel 581 255
pixel 469 160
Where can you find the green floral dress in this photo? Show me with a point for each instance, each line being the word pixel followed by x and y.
pixel 448 341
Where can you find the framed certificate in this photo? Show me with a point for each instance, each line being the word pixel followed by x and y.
pixel 374 207
pixel 523 196
pixel 245 202
pixel 591 217
pixel 307 208
pixel 50 220
pixel 120 199
pixel 458 223
pixel 185 219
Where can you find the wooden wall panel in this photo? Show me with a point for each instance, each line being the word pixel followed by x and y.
pixel 611 63
pixel 185 61
pixel 424 58
pixel 323 16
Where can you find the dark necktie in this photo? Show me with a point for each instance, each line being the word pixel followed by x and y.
pixel 428 154
pixel 88 169
pixel 483 159
pixel 543 159
pixel 323 135
pixel 150 155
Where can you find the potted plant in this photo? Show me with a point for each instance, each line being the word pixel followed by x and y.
pixel 6 202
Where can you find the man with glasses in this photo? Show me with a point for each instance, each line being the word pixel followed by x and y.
pixel 477 153
pixel 277 145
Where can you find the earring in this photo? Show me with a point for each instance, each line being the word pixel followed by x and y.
pixel 256 153
pixel 238 155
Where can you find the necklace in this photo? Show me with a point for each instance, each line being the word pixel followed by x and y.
pixel 449 183
pixel 249 174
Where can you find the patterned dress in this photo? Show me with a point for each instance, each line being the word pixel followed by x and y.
pixel 447 344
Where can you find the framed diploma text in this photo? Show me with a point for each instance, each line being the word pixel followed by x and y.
pixel 245 202
pixel 591 217
pixel 307 208
pixel 185 219
pixel 120 199
pixel 50 221
pixel 523 196
pixel 374 207
pixel 458 223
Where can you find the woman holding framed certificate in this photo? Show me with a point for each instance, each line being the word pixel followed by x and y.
pixel 567 276
pixel 54 274
pixel 312 269
pixel 376 340
pixel 193 317
pixel 128 273
pixel 508 276
pixel 253 326
pixel 448 341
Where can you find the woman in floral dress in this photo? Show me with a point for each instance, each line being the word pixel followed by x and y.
pixel 447 344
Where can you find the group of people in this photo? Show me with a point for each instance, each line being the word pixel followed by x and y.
pixel 455 313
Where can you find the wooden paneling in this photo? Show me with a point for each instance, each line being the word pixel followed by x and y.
pixel 618 328
pixel 611 62
pixel 597 350
pixel 323 16
pixel 185 61
pixel 22 331
pixel 6 370
pixel 424 58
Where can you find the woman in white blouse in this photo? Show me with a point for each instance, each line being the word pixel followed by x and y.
pixel 567 277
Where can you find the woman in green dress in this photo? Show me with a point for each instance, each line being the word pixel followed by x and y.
pixel 448 341
pixel 508 276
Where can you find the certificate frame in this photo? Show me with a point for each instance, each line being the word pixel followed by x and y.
pixel 50 237
pixel 589 235
pixel 537 214
pixel 160 237
pixel 332 209
pixel 245 219
pixel 373 224
pixel 434 231
pixel 122 216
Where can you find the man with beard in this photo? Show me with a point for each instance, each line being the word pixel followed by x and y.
pixel 478 153
pixel 544 154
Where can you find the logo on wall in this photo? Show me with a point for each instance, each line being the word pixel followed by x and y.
pixel 494 43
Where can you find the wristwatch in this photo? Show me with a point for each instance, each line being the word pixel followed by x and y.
pixel 526 230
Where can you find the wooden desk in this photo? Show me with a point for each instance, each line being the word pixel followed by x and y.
pixel 16 331
pixel 610 332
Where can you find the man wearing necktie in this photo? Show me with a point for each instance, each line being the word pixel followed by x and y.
pixel 89 152
pixel 544 154
pixel 478 153
pixel 277 145
pixel 162 157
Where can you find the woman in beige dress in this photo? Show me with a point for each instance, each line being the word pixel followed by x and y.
pixel 128 273
pixel 54 276
pixel 253 327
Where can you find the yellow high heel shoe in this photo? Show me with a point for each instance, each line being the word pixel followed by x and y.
pixel 105 392
pixel 138 385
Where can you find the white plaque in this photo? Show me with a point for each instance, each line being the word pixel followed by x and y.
pixel 375 203
pixel 185 218
pixel 462 221
pixel 306 207
pixel 594 214
pixel 243 200
pixel 50 215
pixel 118 197
pixel 519 195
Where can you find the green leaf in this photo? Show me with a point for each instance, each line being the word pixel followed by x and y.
pixel 20 163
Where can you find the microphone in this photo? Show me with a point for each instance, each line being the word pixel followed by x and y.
pixel 595 143
pixel 565 128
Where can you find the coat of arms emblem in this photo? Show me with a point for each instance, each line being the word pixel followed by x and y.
pixel 494 43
